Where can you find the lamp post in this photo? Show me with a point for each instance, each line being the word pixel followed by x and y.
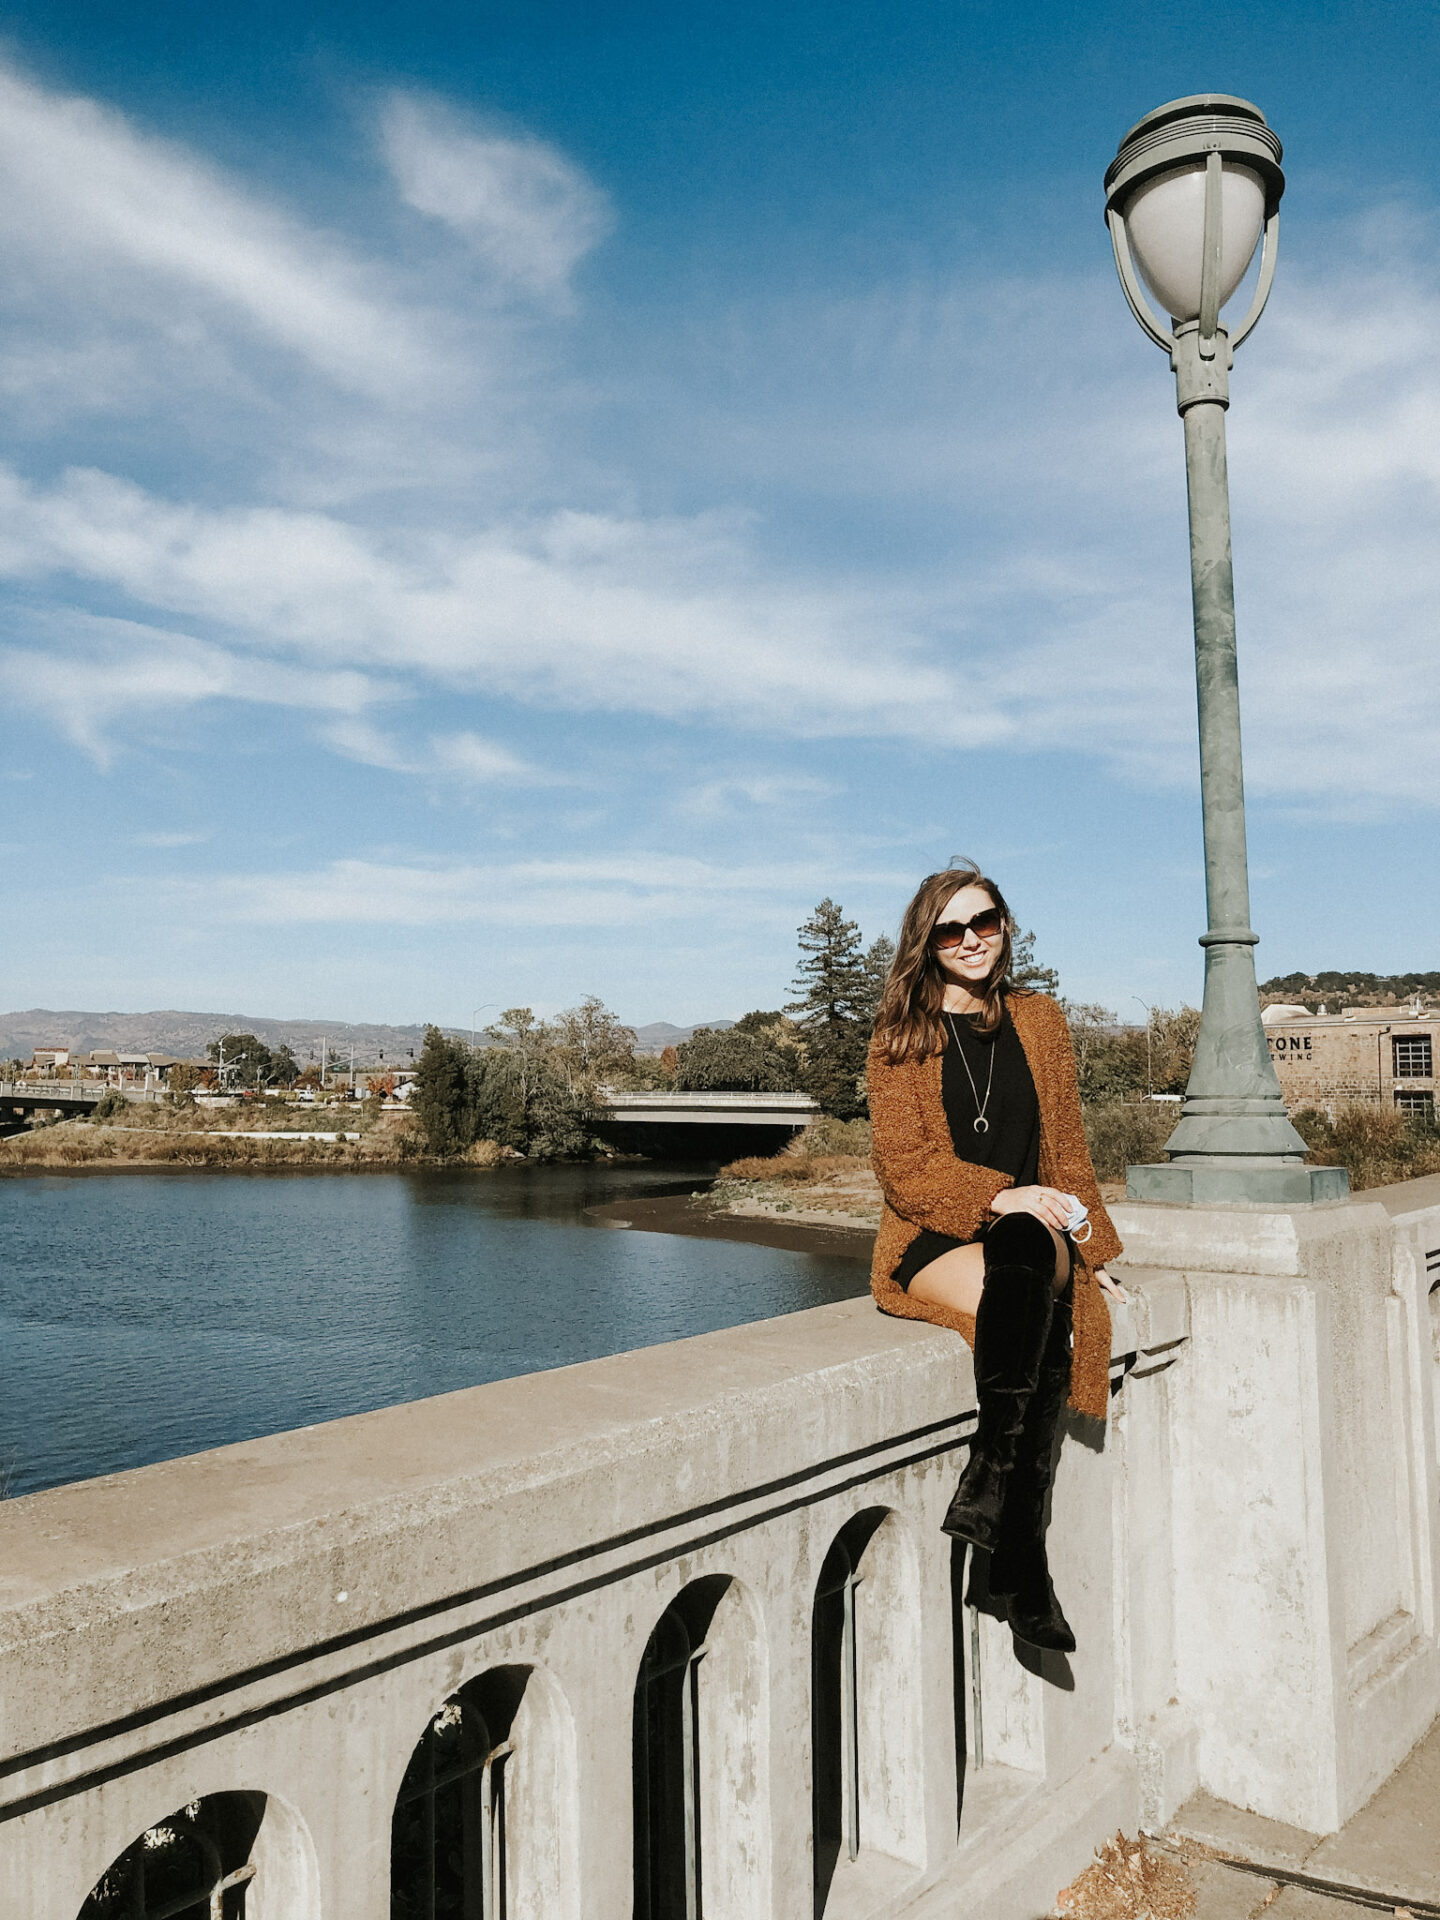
pixel 1149 1030
pixel 1188 196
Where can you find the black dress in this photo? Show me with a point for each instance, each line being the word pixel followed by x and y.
pixel 1011 1141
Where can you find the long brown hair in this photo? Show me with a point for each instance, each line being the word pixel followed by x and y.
pixel 909 1023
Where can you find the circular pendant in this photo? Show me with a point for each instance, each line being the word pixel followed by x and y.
pixel 982 1125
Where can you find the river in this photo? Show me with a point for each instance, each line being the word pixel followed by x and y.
pixel 144 1316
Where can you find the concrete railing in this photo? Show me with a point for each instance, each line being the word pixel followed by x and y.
pixel 67 1092
pixel 687 1612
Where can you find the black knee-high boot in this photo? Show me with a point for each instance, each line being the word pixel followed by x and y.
pixel 1020 1571
pixel 1012 1323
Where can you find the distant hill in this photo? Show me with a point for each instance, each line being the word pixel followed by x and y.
pixel 660 1034
pixel 1351 989
pixel 188 1034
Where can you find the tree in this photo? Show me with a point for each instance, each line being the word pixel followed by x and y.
pixel 440 1101
pixel 592 1045
pixel 761 1022
pixel 1091 1026
pixel 1172 1044
pixel 830 975
pixel 244 1060
pixel 725 1060
pixel 1025 969
pixel 879 956
pixel 495 1105
pixel 834 1010
pixel 557 1070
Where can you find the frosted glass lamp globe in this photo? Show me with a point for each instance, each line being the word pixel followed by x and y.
pixel 1165 219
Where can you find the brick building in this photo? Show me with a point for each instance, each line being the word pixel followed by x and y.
pixel 1381 1056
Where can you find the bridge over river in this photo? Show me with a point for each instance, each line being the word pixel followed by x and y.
pixel 669 1126
pixel 703 1126
pixel 72 1099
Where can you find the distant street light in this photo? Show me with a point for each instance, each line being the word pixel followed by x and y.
pixel 1188 195
pixel 1149 1026
pixel 474 1017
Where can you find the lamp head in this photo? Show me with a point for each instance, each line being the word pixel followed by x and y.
pixel 1156 184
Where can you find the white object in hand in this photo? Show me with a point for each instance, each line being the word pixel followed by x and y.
pixel 1077 1218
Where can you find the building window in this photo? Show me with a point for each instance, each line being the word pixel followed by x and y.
pixel 447 1844
pixel 1418 1103
pixel 1414 1057
pixel 192 1865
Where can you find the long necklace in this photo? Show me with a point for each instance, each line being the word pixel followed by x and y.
pixel 982 1125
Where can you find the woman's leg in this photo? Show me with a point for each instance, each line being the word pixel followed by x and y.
pixel 1020 1569
pixel 1022 1261
pixel 957 1279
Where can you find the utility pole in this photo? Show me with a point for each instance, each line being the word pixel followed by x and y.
pixel 1149 1025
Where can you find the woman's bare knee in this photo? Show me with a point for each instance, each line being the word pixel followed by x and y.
pixel 955 1280
pixel 1062 1259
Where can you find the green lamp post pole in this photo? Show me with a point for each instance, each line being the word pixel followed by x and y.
pixel 1187 197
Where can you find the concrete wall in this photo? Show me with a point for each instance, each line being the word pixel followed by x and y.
pixel 1249 1560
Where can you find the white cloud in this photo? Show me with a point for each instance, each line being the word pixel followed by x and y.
pixel 530 213
pixel 97 673
pixel 94 211
pixel 773 792
pixel 624 890
pixel 462 757
pixel 1021 578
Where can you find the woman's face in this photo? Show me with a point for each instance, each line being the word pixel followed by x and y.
pixel 971 963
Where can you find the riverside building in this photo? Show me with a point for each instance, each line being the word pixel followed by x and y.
pixel 1377 1056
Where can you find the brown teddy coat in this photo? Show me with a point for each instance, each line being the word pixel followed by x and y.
pixel 926 1185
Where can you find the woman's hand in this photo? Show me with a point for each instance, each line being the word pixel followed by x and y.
pixel 1046 1203
pixel 1112 1287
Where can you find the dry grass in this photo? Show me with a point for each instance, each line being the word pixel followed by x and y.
pixel 388 1142
pixel 795 1170
pixel 809 1180
pixel 1378 1145
pixel 1127 1133
pixel 1128 1881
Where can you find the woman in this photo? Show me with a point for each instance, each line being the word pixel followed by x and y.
pixel 979 1146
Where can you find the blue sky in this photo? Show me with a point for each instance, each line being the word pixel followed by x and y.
pixel 507 502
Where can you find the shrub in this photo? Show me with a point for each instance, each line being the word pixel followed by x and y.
pixel 110 1103
pixel 1377 1145
pixel 791 1168
pixel 830 1136
pixel 1126 1133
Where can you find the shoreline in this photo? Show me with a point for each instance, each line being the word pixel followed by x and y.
pixel 692 1215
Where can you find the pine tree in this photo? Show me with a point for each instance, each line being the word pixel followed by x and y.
pixel 830 977
pixel 1026 971
pixel 439 1101
pixel 834 1010
pixel 878 957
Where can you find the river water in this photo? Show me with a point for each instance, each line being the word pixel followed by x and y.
pixel 144 1316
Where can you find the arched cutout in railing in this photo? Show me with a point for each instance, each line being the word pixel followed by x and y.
pixel 835 1754
pixel 666 1757
pixel 447 1836
pixel 192 1865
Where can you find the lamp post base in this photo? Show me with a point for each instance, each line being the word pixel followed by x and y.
pixel 1203 1186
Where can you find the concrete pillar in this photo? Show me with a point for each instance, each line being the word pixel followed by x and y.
pixel 1303 1658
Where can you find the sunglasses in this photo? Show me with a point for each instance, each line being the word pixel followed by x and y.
pixel 985 926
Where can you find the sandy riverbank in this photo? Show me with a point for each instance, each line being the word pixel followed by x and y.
pixel 699 1217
